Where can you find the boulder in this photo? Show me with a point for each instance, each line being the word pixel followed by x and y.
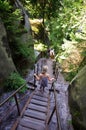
pixel 77 100
pixel 6 63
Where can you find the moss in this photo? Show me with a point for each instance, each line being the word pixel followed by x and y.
pixel 78 125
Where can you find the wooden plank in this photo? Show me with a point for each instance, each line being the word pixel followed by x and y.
pixel 41 94
pixel 32 125
pixel 35 114
pixel 23 128
pixel 22 112
pixel 33 101
pixel 34 120
pixel 40 98
pixel 37 108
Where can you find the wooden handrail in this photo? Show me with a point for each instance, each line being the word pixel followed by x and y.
pixel 15 97
pixel 56 108
pixel 12 94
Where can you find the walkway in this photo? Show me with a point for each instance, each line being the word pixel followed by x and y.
pixel 35 115
pixel 37 111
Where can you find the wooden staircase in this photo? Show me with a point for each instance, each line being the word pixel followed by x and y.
pixel 36 114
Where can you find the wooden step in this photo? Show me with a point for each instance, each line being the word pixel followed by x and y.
pixel 33 101
pixel 37 108
pixel 32 125
pixel 44 95
pixel 35 114
pixel 23 128
pixel 40 98
pixel 34 120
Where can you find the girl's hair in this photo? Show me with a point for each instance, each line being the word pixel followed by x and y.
pixel 44 69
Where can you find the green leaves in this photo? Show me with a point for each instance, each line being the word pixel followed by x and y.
pixel 14 81
pixel 4 6
pixel 12 23
pixel 68 21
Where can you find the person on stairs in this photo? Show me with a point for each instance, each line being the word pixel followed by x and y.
pixel 43 77
pixel 52 54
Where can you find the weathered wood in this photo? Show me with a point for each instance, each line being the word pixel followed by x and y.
pixel 41 94
pixel 23 128
pixel 33 125
pixel 35 114
pixel 18 108
pixel 34 120
pixel 40 98
pixel 33 101
pixel 37 108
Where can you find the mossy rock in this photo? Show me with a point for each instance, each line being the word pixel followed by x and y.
pixel 77 100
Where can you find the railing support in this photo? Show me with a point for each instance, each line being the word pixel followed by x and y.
pixel 17 104
pixel 34 76
pixel 51 115
pixel 37 68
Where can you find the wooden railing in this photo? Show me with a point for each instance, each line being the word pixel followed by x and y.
pixel 13 95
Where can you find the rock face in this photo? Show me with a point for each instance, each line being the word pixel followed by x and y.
pixel 25 39
pixel 6 64
pixel 9 64
pixel 77 100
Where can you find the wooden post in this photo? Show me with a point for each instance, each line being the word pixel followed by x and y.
pixel 37 68
pixel 34 76
pixel 17 104
pixel 51 115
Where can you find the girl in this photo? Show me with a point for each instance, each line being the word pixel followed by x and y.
pixel 43 77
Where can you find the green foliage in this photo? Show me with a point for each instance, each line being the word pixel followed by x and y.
pixel 32 9
pixel 23 50
pixel 4 7
pixel 84 53
pixel 40 9
pixel 66 23
pixel 40 47
pixel 66 18
pixel 13 22
pixel 71 75
pixel 11 18
pixel 14 81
